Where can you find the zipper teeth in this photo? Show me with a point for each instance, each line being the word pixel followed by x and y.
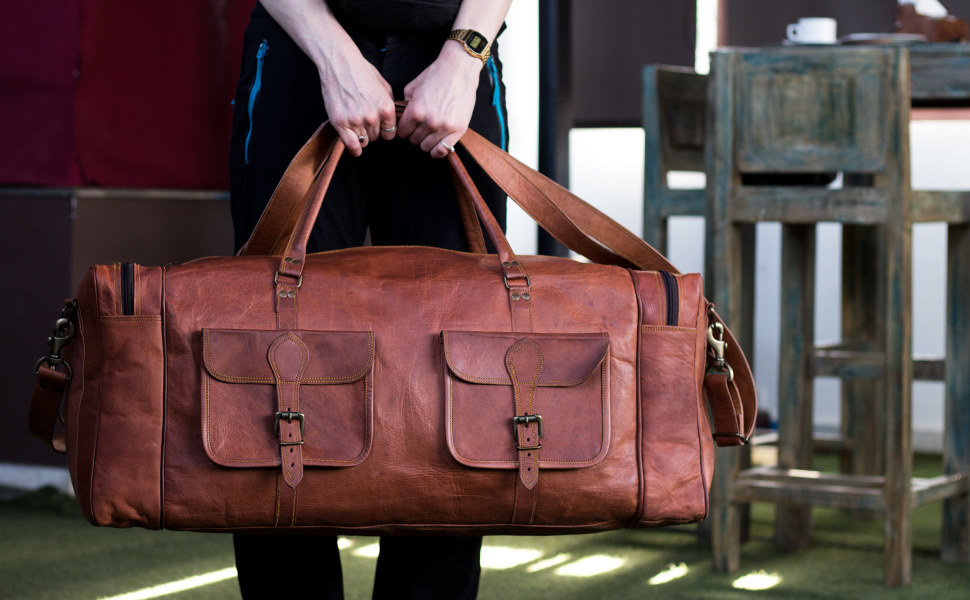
pixel 127 288
pixel 673 298
pixel 254 91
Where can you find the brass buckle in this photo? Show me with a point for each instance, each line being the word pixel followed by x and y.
pixel 276 278
pixel 744 439
pixel 63 333
pixel 528 282
pixel 289 417
pixel 719 346
pixel 525 420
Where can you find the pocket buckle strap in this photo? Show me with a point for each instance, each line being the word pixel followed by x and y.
pixel 290 417
pixel 525 420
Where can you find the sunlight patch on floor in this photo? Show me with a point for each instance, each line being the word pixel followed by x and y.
pixel 669 574
pixel 368 551
pixel 549 563
pixel 757 581
pixel 590 566
pixel 174 587
pixel 502 557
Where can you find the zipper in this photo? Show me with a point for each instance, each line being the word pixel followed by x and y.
pixel 496 98
pixel 673 297
pixel 254 91
pixel 127 288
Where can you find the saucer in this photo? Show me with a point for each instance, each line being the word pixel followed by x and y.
pixel 787 42
pixel 882 38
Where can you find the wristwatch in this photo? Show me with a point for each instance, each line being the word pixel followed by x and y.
pixel 473 42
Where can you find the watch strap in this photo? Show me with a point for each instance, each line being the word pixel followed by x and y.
pixel 473 42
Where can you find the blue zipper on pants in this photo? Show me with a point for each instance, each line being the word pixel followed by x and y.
pixel 254 91
pixel 496 98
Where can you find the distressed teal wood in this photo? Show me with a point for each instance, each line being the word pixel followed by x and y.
pixel 863 269
pixel 674 115
pixel 897 295
pixel 956 443
pixel 782 111
pixel 801 111
pixel 940 73
pixel 794 204
pixel 793 522
pixel 940 206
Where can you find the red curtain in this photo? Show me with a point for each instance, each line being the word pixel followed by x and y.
pixel 37 74
pixel 119 94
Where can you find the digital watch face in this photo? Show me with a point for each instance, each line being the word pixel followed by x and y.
pixel 476 43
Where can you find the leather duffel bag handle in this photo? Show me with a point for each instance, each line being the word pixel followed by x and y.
pixel 284 228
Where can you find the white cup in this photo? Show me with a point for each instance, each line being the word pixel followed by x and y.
pixel 812 30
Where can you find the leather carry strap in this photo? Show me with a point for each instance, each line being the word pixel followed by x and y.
pixel 45 404
pixel 280 216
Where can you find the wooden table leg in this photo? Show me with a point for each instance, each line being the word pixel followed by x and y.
pixel 956 445
pixel 794 522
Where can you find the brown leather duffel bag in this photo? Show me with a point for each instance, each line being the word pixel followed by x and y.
pixel 374 390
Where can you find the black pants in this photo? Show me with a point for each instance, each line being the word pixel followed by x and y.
pixel 402 197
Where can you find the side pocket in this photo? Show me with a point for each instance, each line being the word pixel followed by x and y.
pixel 128 446
pixel 676 447
pixel 675 481
pixel 115 411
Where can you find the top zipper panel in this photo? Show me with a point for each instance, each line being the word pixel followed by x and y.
pixel 127 288
pixel 673 297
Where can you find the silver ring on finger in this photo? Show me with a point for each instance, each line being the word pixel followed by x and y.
pixel 390 129
pixel 362 138
pixel 450 149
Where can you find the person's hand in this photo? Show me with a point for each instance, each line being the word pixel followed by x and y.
pixel 358 101
pixel 440 101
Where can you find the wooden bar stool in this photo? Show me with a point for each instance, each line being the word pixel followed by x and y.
pixel 781 119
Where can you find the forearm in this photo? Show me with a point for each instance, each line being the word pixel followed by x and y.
pixel 484 16
pixel 357 99
pixel 313 27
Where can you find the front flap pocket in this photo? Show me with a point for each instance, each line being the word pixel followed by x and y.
pixel 263 390
pixel 506 392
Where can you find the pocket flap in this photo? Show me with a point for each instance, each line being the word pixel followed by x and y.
pixel 240 356
pixel 332 399
pixel 570 401
pixel 570 359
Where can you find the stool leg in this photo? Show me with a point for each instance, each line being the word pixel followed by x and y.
pixel 725 517
pixel 793 523
pixel 898 378
pixel 956 445
pixel 862 313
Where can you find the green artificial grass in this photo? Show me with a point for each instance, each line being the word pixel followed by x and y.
pixel 48 551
